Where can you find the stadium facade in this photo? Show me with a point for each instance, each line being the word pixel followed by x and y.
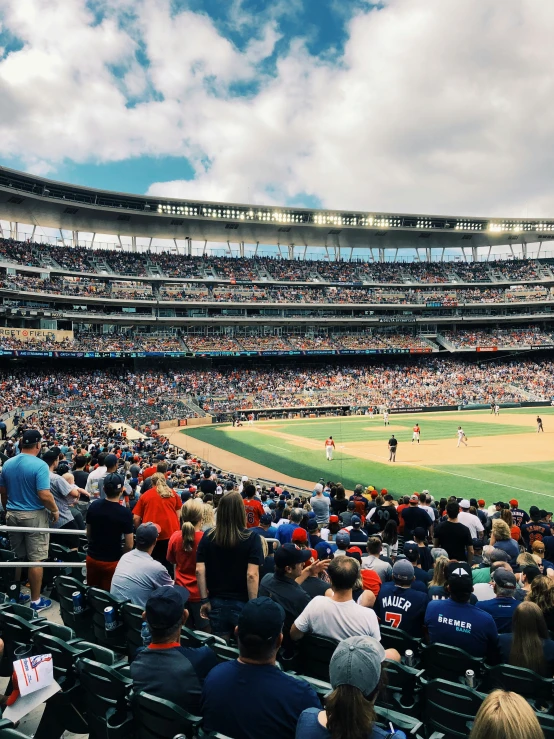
pixel 84 301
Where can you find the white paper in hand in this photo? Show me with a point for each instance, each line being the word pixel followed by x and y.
pixel 34 673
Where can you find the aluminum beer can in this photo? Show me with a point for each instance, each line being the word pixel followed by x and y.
pixel 470 678
pixel 109 618
pixel 77 598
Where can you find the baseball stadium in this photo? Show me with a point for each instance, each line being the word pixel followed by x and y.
pixel 395 369
pixel 305 323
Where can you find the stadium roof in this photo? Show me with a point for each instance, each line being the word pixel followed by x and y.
pixel 38 201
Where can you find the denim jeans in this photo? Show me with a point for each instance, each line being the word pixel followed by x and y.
pixel 224 615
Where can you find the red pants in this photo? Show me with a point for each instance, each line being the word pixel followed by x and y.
pixel 99 574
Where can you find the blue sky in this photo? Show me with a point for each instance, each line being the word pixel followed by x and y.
pixel 398 106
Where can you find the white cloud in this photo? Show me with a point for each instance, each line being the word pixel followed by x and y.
pixel 435 106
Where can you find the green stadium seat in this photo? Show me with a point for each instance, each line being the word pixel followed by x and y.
pixel 402 689
pixel 450 707
pixel 8 583
pixel 400 640
pixel 107 709
pixel 98 600
pixel 410 726
pixel 17 632
pixel 224 652
pixel 448 663
pixel 156 718
pixel 81 623
pixel 314 655
pixel 321 687
pixel 131 617
pixel 190 638
pixel 534 688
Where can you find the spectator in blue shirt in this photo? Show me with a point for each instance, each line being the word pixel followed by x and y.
pixel 28 502
pixel 250 697
pixel 265 528
pixel 459 624
pixel 398 604
pixel 503 605
pixel 285 530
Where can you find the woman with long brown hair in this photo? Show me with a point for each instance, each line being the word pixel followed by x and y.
pixel 159 505
pixel 529 645
pixel 542 593
pixel 355 674
pixel 228 563
pixel 181 552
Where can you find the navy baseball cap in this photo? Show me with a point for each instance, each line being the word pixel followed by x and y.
pixel 262 618
pixel 459 577
pixel 113 483
pixel 289 555
pixel 111 460
pixel 411 550
pixel 164 608
pixel 31 436
pixel 147 534
pixel 343 537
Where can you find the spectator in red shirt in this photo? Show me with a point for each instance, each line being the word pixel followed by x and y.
pixel 159 505
pixel 253 506
pixel 181 552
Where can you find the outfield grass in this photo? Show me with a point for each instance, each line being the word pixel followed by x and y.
pixel 530 483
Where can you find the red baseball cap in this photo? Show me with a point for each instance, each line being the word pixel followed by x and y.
pixel 356 550
pixel 300 534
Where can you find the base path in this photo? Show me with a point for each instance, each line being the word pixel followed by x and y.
pixel 229 462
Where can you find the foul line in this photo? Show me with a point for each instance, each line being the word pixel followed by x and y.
pixel 479 479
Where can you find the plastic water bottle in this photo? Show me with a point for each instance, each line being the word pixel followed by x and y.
pixel 145 634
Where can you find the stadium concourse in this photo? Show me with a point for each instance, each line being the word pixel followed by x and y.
pixel 445 599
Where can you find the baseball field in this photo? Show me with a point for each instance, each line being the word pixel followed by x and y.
pixel 505 457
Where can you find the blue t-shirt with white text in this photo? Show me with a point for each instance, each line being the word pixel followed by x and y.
pixel 401 608
pixel 462 625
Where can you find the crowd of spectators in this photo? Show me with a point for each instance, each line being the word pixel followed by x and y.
pixel 511 338
pixel 248 269
pixel 193 546
pixel 236 340
pixel 272 293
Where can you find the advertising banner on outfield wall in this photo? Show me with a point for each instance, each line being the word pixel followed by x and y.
pixel 35 334
pixel 424 409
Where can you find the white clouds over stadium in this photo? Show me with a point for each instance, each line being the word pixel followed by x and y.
pixel 424 105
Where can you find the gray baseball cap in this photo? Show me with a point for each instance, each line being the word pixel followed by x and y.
pixel 357 662
pixel 403 571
